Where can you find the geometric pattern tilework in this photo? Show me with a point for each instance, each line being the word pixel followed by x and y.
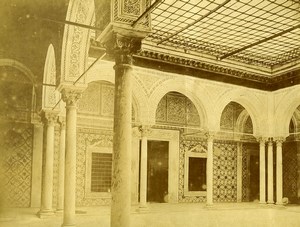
pixel 225 171
pixel 15 163
pixel 245 174
pixel 289 169
pixel 187 144
pixel 84 137
pixel 176 109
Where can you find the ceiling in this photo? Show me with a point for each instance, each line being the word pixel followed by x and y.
pixel 263 34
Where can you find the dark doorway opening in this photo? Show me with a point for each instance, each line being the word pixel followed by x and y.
pixel 254 177
pixel 157 171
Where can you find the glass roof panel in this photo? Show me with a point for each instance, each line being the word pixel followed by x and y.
pixel 266 32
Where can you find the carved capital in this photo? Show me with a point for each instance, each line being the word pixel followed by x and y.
pixel 50 117
pixel 279 141
pixel 145 130
pixel 210 136
pixel 270 141
pixel 71 96
pixel 123 47
pixel 262 140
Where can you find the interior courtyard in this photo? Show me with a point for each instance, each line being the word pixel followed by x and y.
pixel 150 113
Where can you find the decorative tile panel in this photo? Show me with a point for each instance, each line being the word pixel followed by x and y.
pixel 15 171
pixel 245 174
pixel 225 172
pixel 289 170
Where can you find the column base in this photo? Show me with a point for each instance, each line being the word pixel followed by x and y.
pixel 270 202
pixel 45 213
pixel 263 203
pixel 64 225
pixel 143 208
pixel 59 211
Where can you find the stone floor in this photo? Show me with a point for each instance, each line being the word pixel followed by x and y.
pixel 167 215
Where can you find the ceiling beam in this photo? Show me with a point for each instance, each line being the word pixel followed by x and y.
pixel 259 42
pixel 195 22
pixel 148 10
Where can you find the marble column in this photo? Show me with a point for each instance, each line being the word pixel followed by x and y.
pixel 209 170
pixel 279 187
pixel 143 169
pixel 47 182
pixel 262 170
pixel 122 49
pixel 61 165
pixel 270 172
pixel 70 96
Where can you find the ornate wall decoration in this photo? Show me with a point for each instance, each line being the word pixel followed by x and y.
pixel 97 100
pixel 132 7
pixel 16 159
pixel 225 171
pixel 230 115
pixel 195 145
pixel 86 137
pixel 176 109
pixel 90 101
pixel 55 166
pixel 107 100
pixel 245 174
pixel 248 127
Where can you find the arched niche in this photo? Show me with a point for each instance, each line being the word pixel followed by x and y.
pixel 235 118
pixel 176 109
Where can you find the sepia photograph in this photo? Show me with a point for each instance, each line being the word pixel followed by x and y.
pixel 149 113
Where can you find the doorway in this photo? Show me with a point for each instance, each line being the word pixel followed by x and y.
pixel 157 171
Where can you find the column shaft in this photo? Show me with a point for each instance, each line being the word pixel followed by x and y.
pixel 262 172
pixel 279 172
pixel 143 173
pixel 61 168
pixel 121 177
pixel 47 186
pixel 70 166
pixel 270 172
pixel 209 171
pixel 70 96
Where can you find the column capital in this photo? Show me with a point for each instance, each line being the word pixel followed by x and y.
pixel 262 140
pixel 123 47
pixel 279 140
pixel 145 130
pixel 71 95
pixel 210 136
pixel 270 141
pixel 50 116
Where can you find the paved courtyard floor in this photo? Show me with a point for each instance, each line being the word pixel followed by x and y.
pixel 168 215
